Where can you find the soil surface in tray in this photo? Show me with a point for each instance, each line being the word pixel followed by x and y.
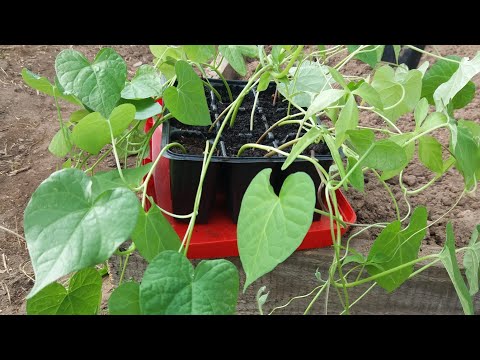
pixel 233 138
pixel 28 121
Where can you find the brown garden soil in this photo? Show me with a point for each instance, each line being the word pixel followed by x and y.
pixel 28 121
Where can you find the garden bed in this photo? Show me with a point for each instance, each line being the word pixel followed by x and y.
pixel 429 293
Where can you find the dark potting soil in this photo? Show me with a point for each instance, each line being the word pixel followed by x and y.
pixel 233 138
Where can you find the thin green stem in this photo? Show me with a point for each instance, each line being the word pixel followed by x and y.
pixel 309 307
pixel 123 269
pixel 387 120
pixel 360 297
pixel 285 71
pixel 432 54
pixel 397 209
pixel 152 169
pixel 424 133
pixel 354 167
pixel 294 298
pixel 115 154
pixel 253 109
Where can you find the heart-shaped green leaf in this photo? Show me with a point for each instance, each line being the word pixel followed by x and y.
pixel 460 79
pixel 42 84
pixel 356 178
pixel 145 108
pixel 397 247
pixel 421 112
pixel 441 72
pixel 199 53
pixel 61 144
pixel 234 55
pixel 67 229
pixel 347 120
pixel 171 286
pixel 98 85
pixel 154 234
pixel 323 100
pixel 125 300
pixel 399 90
pixel 466 150
pixel 430 153
pixel 307 139
pixel 187 102
pixel 78 115
pixel 371 55
pixel 92 133
pixel 146 83
pixel 271 227
pixel 369 94
pixel 81 298
pixel 108 180
pixel 310 78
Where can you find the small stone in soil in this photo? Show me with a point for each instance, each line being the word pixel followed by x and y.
pixel 410 180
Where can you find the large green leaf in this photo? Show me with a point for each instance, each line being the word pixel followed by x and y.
pixel 371 54
pixel 61 144
pixel 199 53
pixel 146 83
pixel 187 101
pixel 307 139
pixel 466 150
pixel 401 139
pixel 356 178
pixel 399 90
pixel 171 286
pixel 347 120
pixel 361 139
pixel 323 100
pixel 154 234
pixel 109 180
pixel 310 78
pixel 98 85
pixel 449 260
pixel 235 53
pixel 162 51
pixel 81 298
pixel 369 94
pixel 78 115
pixel 386 156
pixel 43 85
pixel 440 73
pixel 125 300
pixel 471 261
pixel 467 69
pixel 433 120
pixel 145 108
pixel 92 133
pixel 271 227
pixel 421 112
pixel 430 153
pixel 67 229
pixel 397 247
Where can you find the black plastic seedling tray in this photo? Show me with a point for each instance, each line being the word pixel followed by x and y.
pixel 229 175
